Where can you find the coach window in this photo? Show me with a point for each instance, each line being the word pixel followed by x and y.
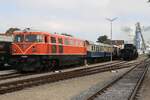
pixel 100 48
pixel 53 40
pixel 97 48
pixel 92 48
pixel 104 48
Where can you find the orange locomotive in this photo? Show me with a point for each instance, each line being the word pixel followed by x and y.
pixel 37 50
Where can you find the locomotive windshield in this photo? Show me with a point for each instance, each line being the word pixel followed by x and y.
pixel 19 38
pixel 34 38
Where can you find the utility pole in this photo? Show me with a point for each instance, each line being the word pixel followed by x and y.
pixel 111 22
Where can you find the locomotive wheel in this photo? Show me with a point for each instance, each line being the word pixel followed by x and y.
pixel 39 67
pixel 52 65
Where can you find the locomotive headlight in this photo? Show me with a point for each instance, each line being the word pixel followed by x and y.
pixel 33 49
pixel 24 56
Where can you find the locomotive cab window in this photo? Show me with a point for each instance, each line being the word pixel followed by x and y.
pixel 19 38
pixel 34 38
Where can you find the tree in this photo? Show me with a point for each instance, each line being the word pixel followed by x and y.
pixel 11 30
pixel 103 39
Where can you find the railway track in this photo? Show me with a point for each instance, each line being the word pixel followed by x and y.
pixel 17 74
pixel 6 72
pixel 21 83
pixel 124 87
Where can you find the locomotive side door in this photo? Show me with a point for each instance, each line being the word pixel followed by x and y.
pixel 47 43
pixel 60 45
pixel 54 46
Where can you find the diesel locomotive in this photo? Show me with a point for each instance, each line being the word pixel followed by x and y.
pixel 38 50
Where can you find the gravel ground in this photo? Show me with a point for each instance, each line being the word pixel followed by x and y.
pixel 7 72
pixel 144 92
pixel 43 74
pixel 62 90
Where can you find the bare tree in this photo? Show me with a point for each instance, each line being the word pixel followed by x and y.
pixel 11 30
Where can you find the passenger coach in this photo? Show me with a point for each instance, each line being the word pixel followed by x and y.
pixel 100 51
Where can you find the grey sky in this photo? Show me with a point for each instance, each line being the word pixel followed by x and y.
pixel 82 18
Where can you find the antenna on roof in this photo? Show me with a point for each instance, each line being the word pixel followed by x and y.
pixel 26 29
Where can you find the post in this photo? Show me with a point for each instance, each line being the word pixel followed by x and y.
pixel 111 41
pixel 85 62
pixel 111 20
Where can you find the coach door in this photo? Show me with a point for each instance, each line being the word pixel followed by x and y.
pixel 54 47
pixel 60 46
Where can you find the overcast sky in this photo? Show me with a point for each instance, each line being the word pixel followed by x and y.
pixel 85 19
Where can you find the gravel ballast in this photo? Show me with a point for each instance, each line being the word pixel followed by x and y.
pixel 63 90
pixel 144 92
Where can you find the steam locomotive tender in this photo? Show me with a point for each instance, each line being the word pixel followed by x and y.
pixel 5 53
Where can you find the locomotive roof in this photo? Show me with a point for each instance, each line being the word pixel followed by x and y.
pixel 46 33
pixel 96 43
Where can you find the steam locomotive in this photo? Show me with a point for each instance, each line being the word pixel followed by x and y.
pixel 129 52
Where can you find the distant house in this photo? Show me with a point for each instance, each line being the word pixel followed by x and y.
pixel 5 38
pixel 119 43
